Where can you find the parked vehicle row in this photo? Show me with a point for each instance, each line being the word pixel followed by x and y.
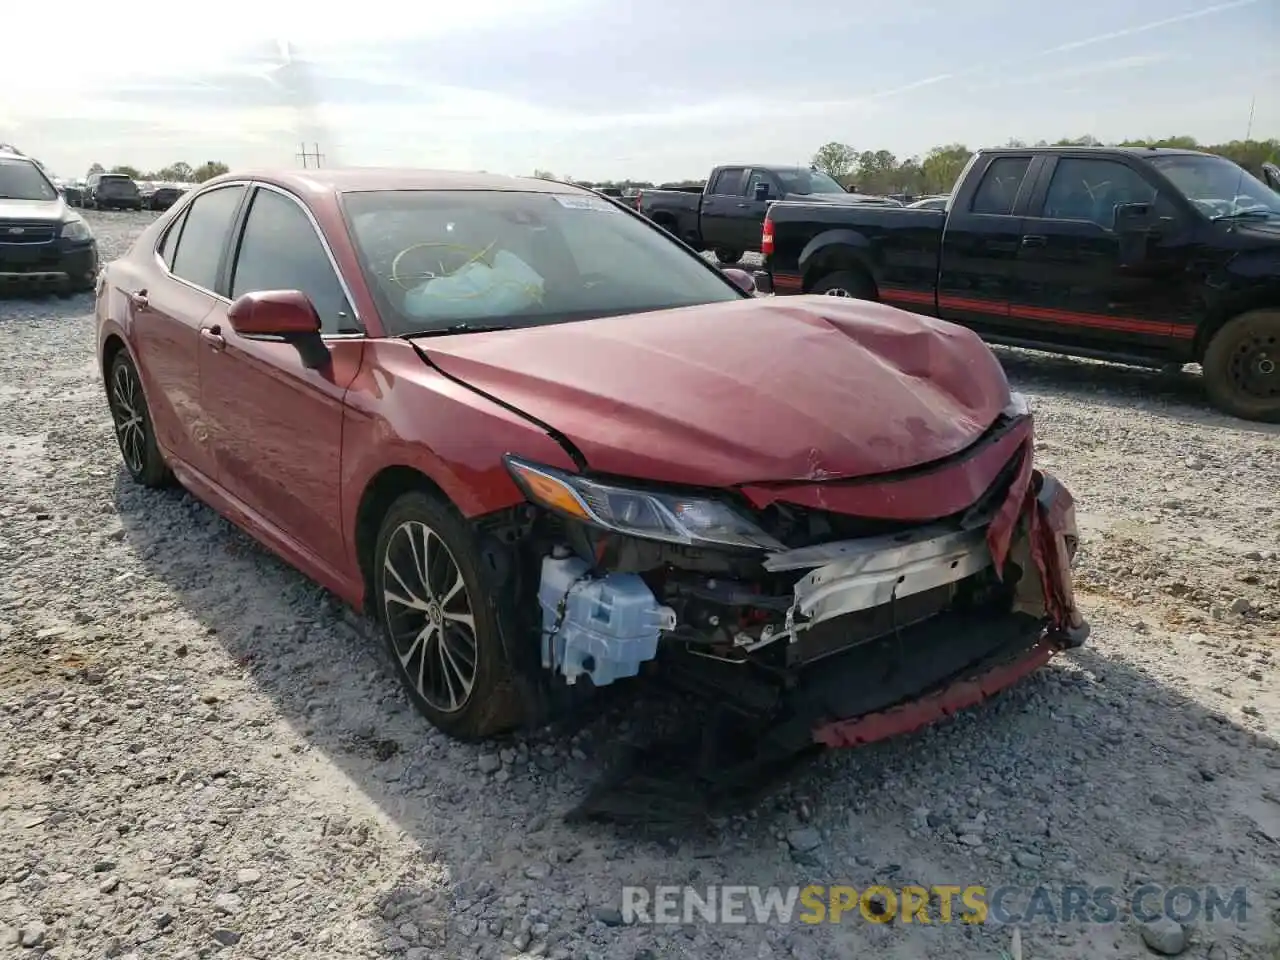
pixel 548 447
pixel 726 214
pixel 1146 256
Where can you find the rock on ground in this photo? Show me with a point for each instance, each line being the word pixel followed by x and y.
pixel 200 751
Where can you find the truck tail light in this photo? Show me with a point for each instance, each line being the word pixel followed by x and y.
pixel 639 194
pixel 766 237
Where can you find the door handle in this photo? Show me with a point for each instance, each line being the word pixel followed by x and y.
pixel 138 298
pixel 1034 240
pixel 742 206
pixel 212 337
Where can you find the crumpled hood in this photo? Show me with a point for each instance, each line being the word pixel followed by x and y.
pixel 763 389
pixel 51 210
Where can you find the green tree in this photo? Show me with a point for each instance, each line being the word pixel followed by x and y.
pixel 836 159
pixel 97 168
pixel 942 165
pixel 179 172
pixel 209 170
pixel 544 175
pixel 124 169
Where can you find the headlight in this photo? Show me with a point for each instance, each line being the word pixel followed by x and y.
pixel 694 521
pixel 76 229
pixel 1018 406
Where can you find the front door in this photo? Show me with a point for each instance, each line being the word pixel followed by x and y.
pixel 1081 281
pixel 168 304
pixel 276 424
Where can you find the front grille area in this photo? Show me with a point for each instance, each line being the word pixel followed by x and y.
pixel 26 232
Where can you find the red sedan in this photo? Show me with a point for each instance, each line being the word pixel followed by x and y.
pixel 547 446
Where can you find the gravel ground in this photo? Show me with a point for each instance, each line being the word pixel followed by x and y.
pixel 200 751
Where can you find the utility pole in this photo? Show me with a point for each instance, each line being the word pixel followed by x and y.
pixel 315 155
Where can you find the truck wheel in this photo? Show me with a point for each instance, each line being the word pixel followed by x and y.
pixel 845 283
pixel 728 256
pixel 1242 367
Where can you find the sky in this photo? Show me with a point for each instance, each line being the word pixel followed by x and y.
pixel 595 90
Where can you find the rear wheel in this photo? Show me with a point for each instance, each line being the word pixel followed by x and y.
pixel 132 420
pixel 727 255
pixel 1242 367
pixel 844 283
pixel 440 619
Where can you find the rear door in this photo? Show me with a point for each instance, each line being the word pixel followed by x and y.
pixel 1079 282
pixel 168 305
pixel 723 205
pixel 276 425
pixel 981 238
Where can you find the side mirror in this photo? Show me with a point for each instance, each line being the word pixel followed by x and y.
pixel 762 191
pixel 741 279
pixel 287 315
pixel 1271 176
pixel 1135 217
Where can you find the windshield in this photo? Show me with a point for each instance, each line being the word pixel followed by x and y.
pixel 808 181
pixel 1218 186
pixel 22 180
pixel 437 259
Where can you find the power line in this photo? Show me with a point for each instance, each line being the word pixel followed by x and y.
pixel 314 154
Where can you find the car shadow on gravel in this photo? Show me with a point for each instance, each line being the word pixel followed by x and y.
pixel 1177 395
pixel 1091 771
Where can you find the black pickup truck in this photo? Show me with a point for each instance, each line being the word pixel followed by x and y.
pixel 727 213
pixel 1138 255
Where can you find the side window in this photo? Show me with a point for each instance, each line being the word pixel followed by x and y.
pixel 762 176
pixel 728 182
pixel 1086 189
pixel 999 187
pixel 280 250
pixel 204 236
pixel 169 242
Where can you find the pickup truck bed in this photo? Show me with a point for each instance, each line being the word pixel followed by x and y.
pixel 1138 255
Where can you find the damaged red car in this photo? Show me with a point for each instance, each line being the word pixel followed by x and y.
pixel 548 446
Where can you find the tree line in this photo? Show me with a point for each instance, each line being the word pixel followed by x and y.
pixel 180 172
pixel 881 172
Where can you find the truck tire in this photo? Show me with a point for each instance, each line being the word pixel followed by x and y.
pixel 845 283
pixel 728 256
pixel 1242 366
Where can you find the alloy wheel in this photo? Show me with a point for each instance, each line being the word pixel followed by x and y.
pixel 838 292
pixel 127 412
pixel 429 616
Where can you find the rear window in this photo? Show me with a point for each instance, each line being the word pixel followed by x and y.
pixel 438 258
pixel 118 183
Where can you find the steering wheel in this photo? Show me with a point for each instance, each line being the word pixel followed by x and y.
pixel 459 255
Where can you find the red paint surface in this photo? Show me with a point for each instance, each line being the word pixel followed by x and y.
pixel 761 390
pixel 786 396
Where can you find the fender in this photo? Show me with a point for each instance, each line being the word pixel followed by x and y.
pixel 857 243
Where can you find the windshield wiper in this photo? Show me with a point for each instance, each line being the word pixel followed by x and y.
pixel 1241 214
pixel 463 327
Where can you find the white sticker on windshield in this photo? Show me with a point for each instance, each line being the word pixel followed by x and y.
pixel 578 202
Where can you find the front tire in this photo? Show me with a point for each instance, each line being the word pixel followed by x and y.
pixel 1242 367
pixel 440 617
pixel 728 256
pixel 844 283
pixel 132 421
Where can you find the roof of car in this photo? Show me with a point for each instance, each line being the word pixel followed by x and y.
pixel 357 179
pixel 1084 148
